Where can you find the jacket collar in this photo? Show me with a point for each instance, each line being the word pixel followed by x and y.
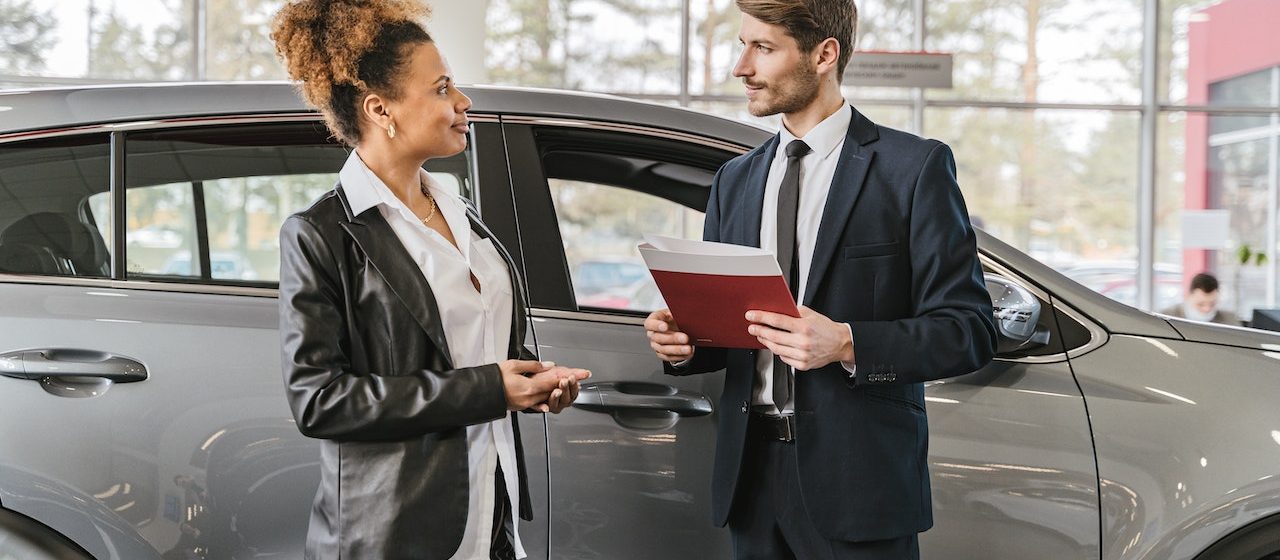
pixel 846 185
pixel 370 231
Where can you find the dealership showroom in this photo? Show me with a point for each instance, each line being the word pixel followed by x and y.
pixel 640 279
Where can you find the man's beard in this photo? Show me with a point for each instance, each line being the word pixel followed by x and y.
pixel 797 91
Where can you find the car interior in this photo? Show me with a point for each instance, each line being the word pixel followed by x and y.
pixel 42 230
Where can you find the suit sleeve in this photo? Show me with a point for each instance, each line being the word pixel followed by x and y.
pixel 704 360
pixel 952 331
pixel 328 398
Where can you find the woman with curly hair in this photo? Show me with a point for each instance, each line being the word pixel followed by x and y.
pixel 400 313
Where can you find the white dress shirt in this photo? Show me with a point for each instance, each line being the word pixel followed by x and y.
pixel 477 326
pixel 817 169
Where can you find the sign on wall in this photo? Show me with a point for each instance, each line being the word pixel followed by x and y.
pixel 1206 229
pixel 899 69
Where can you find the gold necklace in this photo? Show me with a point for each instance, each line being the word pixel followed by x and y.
pixel 432 200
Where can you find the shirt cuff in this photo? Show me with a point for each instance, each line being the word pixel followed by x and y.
pixel 685 362
pixel 850 366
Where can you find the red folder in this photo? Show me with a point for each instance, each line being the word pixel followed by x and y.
pixel 711 286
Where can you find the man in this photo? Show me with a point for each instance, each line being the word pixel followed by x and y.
pixel 821 452
pixel 1202 303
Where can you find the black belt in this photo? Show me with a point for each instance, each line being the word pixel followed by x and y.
pixel 772 428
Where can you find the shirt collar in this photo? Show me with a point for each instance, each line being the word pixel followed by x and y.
pixel 365 190
pixel 825 136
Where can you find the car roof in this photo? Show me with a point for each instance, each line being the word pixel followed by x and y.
pixel 70 107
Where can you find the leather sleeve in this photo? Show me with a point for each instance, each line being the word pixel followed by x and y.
pixel 328 398
pixel 952 331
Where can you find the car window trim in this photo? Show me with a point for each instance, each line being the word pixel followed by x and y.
pixel 181 122
pixel 629 129
pixel 199 287
pixel 116 186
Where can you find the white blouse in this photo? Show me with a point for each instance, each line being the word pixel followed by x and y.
pixel 477 326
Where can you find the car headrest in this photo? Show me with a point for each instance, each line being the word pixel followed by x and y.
pixel 64 237
pixel 22 258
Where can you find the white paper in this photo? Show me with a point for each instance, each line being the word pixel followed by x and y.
pixel 673 254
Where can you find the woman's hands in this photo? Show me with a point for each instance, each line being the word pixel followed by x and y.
pixel 542 386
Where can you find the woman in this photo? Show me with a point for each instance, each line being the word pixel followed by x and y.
pixel 399 312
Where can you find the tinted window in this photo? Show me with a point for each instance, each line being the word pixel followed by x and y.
pixel 609 190
pixel 601 225
pixel 207 204
pixel 45 227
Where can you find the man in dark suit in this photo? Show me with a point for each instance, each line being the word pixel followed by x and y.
pixel 822 441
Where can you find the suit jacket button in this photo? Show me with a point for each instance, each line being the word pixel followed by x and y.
pixel 744 407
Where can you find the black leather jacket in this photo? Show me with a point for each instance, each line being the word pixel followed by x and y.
pixel 367 369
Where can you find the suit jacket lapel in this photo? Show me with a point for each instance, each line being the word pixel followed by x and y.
pixel 846 185
pixel 753 193
pixel 375 237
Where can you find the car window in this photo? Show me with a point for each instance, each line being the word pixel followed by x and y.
pixel 161 228
pixel 206 204
pixel 601 226
pixel 44 185
pixel 608 191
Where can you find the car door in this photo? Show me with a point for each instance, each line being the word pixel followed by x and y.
pixel 1010 448
pixel 194 451
pixel 630 462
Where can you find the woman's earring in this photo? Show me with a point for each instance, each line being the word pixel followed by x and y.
pixel 391 130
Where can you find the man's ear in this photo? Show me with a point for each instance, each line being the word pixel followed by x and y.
pixel 374 108
pixel 826 55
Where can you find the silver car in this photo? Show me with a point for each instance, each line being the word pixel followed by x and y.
pixel 144 414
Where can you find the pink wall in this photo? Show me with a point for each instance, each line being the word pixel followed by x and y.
pixel 1238 37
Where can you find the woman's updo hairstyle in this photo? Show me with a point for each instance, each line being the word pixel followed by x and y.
pixel 341 50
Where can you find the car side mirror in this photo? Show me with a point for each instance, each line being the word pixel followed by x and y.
pixel 1017 315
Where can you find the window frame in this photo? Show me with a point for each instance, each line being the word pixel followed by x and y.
pixel 79 139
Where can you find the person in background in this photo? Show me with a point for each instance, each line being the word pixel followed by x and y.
pixel 1201 303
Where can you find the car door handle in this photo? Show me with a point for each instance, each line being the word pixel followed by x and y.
pixel 64 363
pixel 630 395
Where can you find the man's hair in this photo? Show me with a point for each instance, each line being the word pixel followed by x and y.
pixel 1204 282
pixel 810 22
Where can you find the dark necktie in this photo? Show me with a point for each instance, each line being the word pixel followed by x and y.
pixel 788 204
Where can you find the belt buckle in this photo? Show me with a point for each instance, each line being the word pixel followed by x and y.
pixel 786 428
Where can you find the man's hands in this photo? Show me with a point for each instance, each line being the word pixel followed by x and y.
pixel 542 386
pixel 665 337
pixel 805 343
